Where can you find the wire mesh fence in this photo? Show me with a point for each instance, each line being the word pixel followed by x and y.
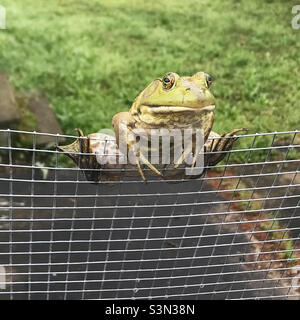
pixel 232 233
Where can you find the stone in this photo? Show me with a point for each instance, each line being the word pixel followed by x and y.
pixel 26 112
pixel 46 121
pixel 9 113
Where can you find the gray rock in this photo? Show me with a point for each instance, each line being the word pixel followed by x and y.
pixel 46 120
pixel 9 113
pixel 26 111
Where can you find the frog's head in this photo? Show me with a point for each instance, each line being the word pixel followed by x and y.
pixel 174 95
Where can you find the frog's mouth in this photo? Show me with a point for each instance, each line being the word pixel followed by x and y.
pixel 173 109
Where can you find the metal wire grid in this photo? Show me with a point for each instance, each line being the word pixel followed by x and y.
pixel 231 234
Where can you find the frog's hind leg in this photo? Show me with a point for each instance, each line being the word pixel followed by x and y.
pixel 221 145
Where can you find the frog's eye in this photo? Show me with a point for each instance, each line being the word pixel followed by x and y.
pixel 208 79
pixel 168 81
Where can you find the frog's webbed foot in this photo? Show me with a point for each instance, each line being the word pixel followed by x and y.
pixel 77 148
pixel 85 160
pixel 80 152
pixel 220 146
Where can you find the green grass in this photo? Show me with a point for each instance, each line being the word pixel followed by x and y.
pixel 92 57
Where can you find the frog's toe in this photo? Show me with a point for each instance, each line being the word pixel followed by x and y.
pixel 149 165
pixel 221 145
pixel 141 172
pixel 225 142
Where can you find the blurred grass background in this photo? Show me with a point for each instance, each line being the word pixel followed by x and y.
pixel 92 58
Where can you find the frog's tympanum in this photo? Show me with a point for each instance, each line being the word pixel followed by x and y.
pixel 168 104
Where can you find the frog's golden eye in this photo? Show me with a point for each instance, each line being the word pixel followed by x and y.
pixel 168 81
pixel 208 79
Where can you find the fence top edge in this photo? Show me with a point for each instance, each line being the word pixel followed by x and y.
pixel 58 135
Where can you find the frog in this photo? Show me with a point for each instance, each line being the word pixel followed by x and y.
pixel 173 102
pixel 170 102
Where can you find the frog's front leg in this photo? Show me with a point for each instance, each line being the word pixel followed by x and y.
pixel 148 164
pixel 220 145
pixel 138 156
pixel 124 126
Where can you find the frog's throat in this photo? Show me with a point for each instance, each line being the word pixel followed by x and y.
pixel 172 109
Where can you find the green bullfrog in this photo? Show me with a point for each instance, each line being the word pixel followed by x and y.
pixel 171 102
